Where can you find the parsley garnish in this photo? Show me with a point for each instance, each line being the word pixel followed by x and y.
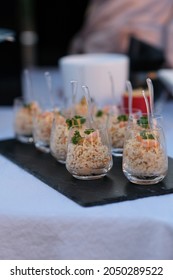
pixel 75 121
pixel 143 122
pixel 77 138
pixel 88 131
pixel 122 118
pixel 146 135
pixel 82 119
pixel 99 113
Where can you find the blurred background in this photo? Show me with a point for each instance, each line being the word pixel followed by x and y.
pixel 44 31
pixel 42 35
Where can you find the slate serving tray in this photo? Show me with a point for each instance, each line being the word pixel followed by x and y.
pixel 110 189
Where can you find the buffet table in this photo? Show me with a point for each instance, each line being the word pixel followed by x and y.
pixel 38 222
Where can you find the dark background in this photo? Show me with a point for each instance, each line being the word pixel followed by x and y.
pixel 54 22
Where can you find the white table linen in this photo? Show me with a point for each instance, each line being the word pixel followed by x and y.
pixel 37 222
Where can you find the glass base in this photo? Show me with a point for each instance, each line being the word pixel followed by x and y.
pixel 27 139
pixel 117 152
pixel 144 180
pixel 61 161
pixel 88 177
pixel 42 147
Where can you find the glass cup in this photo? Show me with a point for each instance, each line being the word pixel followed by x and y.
pixel 23 119
pixel 89 154
pixel 42 124
pixel 117 126
pixel 145 159
pixel 58 138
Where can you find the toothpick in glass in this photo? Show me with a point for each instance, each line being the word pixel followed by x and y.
pixel 130 96
pixel 151 94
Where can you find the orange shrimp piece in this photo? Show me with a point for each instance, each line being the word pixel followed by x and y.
pixel 122 124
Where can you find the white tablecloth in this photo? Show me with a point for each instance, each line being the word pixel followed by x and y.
pixel 37 222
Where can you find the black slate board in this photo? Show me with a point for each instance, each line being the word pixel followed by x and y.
pixel 112 188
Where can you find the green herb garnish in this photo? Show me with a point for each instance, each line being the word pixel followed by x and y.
pixel 122 118
pixel 99 113
pixel 88 131
pixel 143 122
pixel 77 138
pixel 75 121
pixel 80 118
pixel 146 135
pixel 69 123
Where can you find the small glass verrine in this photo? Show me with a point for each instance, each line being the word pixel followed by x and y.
pixel 89 154
pixel 42 124
pixel 117 126
pixel 145 159
pixel 23 119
